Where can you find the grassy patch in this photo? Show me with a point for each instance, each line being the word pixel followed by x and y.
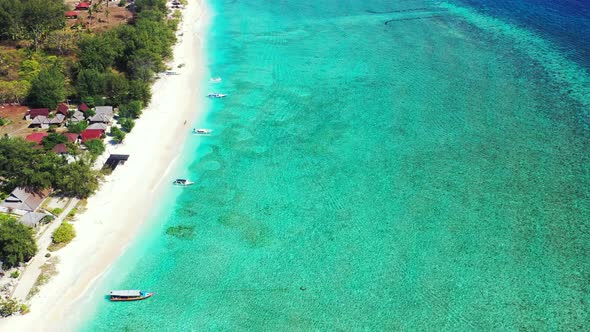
pixel 48 270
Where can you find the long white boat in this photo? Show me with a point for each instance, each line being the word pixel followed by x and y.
pixel 202 131
pixel 129 295
pixel 215 79
pixel 216 95
pixel 182 182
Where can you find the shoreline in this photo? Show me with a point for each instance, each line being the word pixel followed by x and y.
pixel 116 213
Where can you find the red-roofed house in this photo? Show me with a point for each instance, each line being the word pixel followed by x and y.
pixel 63 109
pixel 71 14
pixel 91 134
pixel 83 6
pixel 36 137
pixel 72 137
pixel 35 112
pixel 83 107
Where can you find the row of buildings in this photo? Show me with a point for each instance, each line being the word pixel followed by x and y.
pixel 43 118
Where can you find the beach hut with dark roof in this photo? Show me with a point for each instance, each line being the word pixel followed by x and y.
pixel 89 134
pixel 35 112
pixel 63 109
pixel 115 160
pixel 83 107
pixel 36 137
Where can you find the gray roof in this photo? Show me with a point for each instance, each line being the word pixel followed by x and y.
pixel 77 116
pixel 102 126
pixel 21 199
pixel 105 118
pixel 41 119
pixel 31 219
pixel 59 118
pixel 126 293
pixel 106 110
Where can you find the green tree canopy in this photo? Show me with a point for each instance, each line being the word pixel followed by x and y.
pixel 131 110
pixel 77 127
pixel 118 134
pixel 41 17
pixel 30 19
pixel 77 179
pixel 48 88
pixel 95 147
pixel 23 166
pixel 53 139
pixel 99 51
pixel 17 243
pixel 127 124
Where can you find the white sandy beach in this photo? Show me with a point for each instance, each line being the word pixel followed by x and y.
pixel 115 213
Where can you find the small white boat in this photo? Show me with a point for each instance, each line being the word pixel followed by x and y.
pixel 182 182
pixel 129 295
pixel 215 79
pixel 216 95
pixel 202 131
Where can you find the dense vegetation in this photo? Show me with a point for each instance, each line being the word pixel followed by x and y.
pixel 17 243
pixel 115 68
pixel 23 166
pixel 30 19
pixel 112 68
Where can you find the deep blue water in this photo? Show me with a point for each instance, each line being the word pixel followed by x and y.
pixel 565 22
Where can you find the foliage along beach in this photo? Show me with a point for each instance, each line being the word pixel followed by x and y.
pixel 47 62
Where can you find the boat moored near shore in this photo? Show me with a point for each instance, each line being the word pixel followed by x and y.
pixel 182 182
pixel 129 295
pixel 216 95
pixel 202 131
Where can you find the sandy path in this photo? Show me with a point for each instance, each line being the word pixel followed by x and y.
pixel 115 213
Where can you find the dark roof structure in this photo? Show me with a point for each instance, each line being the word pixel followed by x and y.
pixel 83 107
pixel 63 109
pixel 35 112
pixel 115 159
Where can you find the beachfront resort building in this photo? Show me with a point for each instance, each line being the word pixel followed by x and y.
pixel 21 201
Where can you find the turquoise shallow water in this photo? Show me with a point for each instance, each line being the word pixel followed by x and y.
pixel 377 166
